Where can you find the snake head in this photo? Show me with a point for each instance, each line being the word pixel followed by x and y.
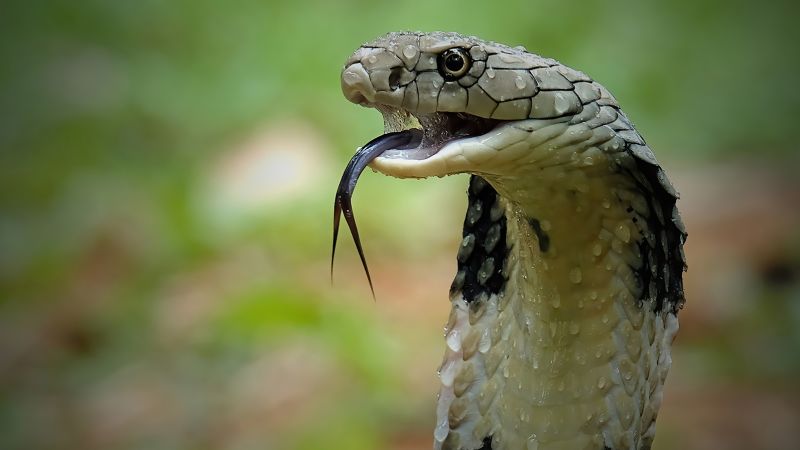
pixel 464 93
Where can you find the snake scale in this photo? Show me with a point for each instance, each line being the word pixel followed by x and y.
pixel 569 280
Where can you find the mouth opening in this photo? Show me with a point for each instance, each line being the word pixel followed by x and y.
pixel 438 129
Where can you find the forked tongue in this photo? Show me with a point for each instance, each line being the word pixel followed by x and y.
pixel 398 140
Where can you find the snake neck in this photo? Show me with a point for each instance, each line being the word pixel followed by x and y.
pixel 553 340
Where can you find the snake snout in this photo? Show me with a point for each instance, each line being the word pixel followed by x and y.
pixel 356 85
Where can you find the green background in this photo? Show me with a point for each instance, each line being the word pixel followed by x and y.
pixel 167 171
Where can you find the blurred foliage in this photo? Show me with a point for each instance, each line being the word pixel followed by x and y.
pixel 126 296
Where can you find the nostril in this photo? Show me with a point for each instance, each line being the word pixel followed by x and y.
pixel 394 78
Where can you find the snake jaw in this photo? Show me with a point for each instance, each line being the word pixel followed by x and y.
pixel 435 155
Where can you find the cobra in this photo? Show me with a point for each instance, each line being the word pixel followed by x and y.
pixel 569 280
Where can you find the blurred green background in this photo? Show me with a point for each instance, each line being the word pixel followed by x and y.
pixel 167 171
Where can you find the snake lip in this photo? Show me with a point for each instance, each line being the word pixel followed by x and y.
pixel 439 129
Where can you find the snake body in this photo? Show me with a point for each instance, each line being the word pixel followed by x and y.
pixel 569 280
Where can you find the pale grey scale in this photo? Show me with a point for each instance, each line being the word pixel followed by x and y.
pixel 590 110
pixel 504 61
pixel 410 61
pixel 504 85
pixel 396 95
pixel 572 75
pixel 479 100
pixel 511 109
pixel 411 97
pixel 467 81
pixel 550 104
pixel 405 78
pixel 477 53
pixel 477 69
pixel 587 92
pixel 454 97
pixel 381 61
pixel 426 63
pixel 428 87
pixel 549 79
pixel 380 79
pixel 606 115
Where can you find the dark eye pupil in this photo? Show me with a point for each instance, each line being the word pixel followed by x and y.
pixel 454 62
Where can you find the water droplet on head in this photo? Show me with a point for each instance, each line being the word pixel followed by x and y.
pixel 490 72
pixel 519 82
pixel 372 59
pixel 575 275
pixel 409 51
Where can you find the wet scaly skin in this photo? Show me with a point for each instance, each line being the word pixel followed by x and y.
pixel 560 333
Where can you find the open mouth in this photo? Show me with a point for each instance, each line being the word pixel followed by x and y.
pixel 437 130
pixel 406 136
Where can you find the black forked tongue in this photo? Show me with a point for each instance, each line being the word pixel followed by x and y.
pixel 399 140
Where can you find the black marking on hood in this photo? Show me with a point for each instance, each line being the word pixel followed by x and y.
pixel 660 276
pixel 541 236
pixel 487 443
pixel 483 250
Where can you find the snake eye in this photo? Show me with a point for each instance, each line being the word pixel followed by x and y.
pixel 454 63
